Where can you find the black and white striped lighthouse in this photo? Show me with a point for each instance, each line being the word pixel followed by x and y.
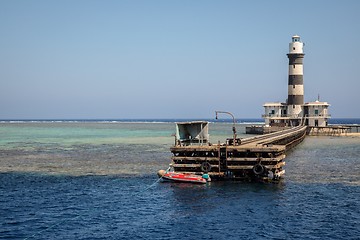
pixel 295 100
pixel 295 111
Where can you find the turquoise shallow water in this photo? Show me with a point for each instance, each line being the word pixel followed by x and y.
pixel 95 148
pixel 91 180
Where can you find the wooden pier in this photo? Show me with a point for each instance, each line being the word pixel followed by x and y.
pixel 330 130
pixel 261 157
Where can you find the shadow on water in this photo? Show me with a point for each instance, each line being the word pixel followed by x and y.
pixel 204 199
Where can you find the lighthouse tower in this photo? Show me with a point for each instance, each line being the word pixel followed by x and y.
pixel 294 111
pixel 295 99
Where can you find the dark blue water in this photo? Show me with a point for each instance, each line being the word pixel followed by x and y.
pixel 92 180
pixel 37 206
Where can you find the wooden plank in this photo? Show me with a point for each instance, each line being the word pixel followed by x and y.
pixel 279 165
pixel 186 165
pixel 238 148
pixel 279 158
pixel 239 167
pixel 195 159
pixel 194 148
pixel 256 148
pixel 177 165
pixel 249 167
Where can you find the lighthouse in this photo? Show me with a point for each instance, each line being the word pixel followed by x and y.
pixel 294 111
pixel 295 100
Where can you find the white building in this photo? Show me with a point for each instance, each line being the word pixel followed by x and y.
pixel 276 114
pixel 294 111
pixel 316 114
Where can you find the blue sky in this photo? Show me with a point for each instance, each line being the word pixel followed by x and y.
pixel 172 59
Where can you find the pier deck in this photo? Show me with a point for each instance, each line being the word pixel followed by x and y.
pixel 255 157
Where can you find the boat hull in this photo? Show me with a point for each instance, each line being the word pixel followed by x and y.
pixel 183 177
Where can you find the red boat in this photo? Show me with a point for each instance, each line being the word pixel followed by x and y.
pixel 182 177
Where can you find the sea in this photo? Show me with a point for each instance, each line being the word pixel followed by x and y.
pixel 96 179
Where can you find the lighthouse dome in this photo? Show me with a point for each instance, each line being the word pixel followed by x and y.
pixel 296 38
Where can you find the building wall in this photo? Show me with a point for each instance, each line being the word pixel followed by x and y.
pixel 322 122
pixel 274 112
pixel 269 110
pixel 318 113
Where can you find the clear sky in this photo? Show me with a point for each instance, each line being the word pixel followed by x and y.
pixel 172 59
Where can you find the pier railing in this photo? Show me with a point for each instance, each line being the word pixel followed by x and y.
pixel 318 115
pixel 353 127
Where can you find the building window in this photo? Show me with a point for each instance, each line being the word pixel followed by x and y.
pixel 293 86
pixel 294 66
pixel 293 48
pixel 316 112
pixel 272 111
